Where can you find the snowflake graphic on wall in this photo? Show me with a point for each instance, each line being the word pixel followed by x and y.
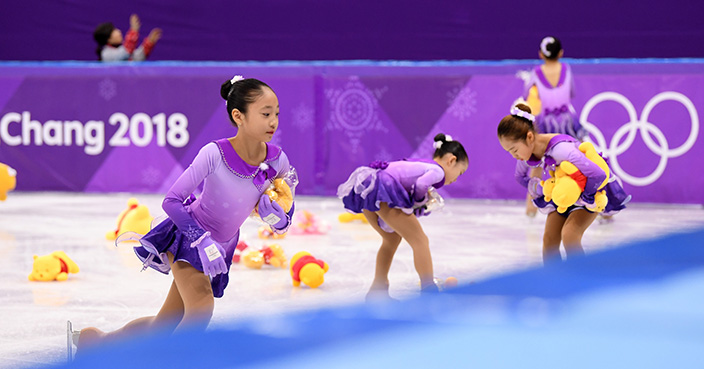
pixel 463 102
pixel 354 110
pixel 482 187
pixel 303 117
pixel 425 149
pixel 107 88
pixel 151 176
pixel 383 154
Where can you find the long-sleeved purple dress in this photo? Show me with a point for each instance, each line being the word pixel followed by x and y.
pixel 231 190
pixel 557 114
pixel 401 184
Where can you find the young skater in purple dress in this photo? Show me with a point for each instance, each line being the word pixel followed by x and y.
pixel 197 240
pixel 518 136
pixel 392 195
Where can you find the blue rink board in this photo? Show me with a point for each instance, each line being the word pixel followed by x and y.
pixel 638 306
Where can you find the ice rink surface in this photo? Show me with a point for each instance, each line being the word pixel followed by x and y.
pixel 472 240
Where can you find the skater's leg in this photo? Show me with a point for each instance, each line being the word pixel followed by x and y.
pixel 552 237
pixel 196 295
pixel 408 227
pixel 168 318
pixel 384 257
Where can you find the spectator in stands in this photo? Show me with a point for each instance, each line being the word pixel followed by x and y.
pixel 112 48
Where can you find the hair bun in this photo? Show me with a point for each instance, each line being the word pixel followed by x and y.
pixel 439 137
pixel 524 107
pixel 225 89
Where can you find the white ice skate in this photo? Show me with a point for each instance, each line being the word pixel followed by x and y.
pixel 71 339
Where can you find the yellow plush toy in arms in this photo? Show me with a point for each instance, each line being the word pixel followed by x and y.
pixel 567 183
pixel 280 192
pixel 533 100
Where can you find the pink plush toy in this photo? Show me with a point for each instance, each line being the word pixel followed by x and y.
pixel 305 222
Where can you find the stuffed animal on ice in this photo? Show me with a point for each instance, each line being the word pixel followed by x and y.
pixel 8 180
pixel 265 233
pixel 305 222
pixel 567 183
pixel 350 217
pixel 254 258
pixel 135 218
pixel 307 269
pixel 53 267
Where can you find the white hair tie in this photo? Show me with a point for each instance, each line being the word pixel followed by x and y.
pixel 235 79
pixel 523 114
pixel 438 144
pixel 263 166
pixel 544 45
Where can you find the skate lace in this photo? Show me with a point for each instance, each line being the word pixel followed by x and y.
pixel 148 262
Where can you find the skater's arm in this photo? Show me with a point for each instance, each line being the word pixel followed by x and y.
pixel 522 173
pixel 595 175
pixel 202 166
pixel 433 175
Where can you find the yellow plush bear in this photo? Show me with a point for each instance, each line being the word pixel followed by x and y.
pixel 281 193
pixel 590 152
pixel 307 269
pixel 272 255
pixel 349 217
pixel 53 267
pixel 252 259
pixel 135 218
pixel 8 180
pixel 567 183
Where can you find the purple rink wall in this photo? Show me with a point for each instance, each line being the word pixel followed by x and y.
pixel 91 127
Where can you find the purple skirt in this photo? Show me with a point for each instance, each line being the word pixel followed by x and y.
pixel 367 188
pixel 565 123
pixel 166 237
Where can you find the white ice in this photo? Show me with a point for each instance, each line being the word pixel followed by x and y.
pixel 470 239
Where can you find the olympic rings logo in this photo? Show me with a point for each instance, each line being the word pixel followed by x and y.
pixel 645 128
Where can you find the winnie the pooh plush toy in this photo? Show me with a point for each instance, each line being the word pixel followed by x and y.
pixel 135 218
pixel 280 192
pixel 567 183
pixel 8 180
pixel 307 269
pixel 53 267
pixel 254 258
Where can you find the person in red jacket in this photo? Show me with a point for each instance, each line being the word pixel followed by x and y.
pixel 112 48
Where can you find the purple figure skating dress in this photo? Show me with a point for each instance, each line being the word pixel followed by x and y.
pixel 231 190
pixel 557 114
pixel 401 184
pixel 564 147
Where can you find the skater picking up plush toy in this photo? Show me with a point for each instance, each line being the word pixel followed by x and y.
pixel 518 136
pixel 392 195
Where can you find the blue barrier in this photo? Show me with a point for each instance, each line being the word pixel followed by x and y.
pixel 635 306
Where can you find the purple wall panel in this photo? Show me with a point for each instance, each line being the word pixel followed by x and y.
pixel 99 128
pixel 229 30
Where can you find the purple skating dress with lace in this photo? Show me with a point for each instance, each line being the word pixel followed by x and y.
pixel 231 190
pixel 401 184
pixel 564 147
pixel 557 114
